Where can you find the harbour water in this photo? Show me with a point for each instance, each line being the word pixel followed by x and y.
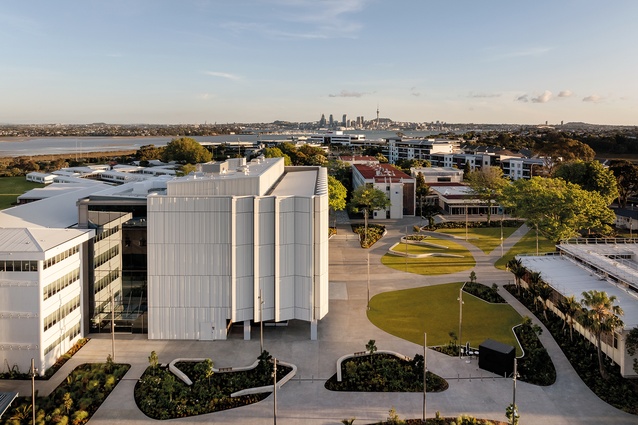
pixel 31 146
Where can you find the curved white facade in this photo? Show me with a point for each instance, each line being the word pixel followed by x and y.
pixel 217 240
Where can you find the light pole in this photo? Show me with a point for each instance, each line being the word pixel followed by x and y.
pixel 112 324
pixel 536 238
pixel 514 409
pixel 502 218
pixel 466 222
pixel 425 368
pixel 261 322
pixel 460 317
pixel 406 249
pixel 274 375
pixel 368 263
pixel 33 370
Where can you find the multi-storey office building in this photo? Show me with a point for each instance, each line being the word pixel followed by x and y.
pixel 401 149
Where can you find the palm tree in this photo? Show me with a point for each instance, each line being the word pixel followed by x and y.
pixel 571 309
pixel 544 292
pixel 515 265
pixel 601 316
pixel 534 282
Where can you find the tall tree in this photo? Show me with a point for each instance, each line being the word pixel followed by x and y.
pixel 487 184
pixel 590 176
pixel 337 194
pixel 571 309
pixel 601 316
pixel 626 174
pixel 422 190
pixel 516 267
pixel 558 149
pixel 277 153
pixel 148 152
pixel 560 209
pixel 186 150
pixel 366 198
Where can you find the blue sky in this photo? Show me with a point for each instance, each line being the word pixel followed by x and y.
pixel 191 61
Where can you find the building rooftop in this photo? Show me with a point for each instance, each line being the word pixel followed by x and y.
pixel 569 278
pixel 298 183
pixel 14 241
pixel 382 172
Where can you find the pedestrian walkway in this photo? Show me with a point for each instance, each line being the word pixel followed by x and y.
pixel 346 329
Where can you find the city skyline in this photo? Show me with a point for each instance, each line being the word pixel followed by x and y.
pixel 260 61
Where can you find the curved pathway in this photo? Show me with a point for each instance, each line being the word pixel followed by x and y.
pixel 346 329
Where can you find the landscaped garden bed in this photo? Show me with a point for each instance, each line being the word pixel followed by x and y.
pixel 620 392
pixel 160 395
pixel 375 232
pixel 75 400
pixel 381 372
pixel 484 292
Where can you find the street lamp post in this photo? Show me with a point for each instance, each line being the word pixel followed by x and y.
pixel 466 222
pixel 460 318
pixel 514 409
pixel 425 369
pixel 274 374
pixel 368 263
pixel 502 218
pixel 261 322
pixel 33 370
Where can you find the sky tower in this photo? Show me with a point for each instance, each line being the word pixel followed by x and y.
pixel 377 116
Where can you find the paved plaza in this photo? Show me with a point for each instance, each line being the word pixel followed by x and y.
pixel 304 400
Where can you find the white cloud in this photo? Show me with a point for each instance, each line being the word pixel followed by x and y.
pixel 565 93
pixel 592 98
pixel 346 93
pixel 543 98
pixel 223 75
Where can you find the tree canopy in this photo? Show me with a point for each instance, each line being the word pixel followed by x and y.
pixel 337 193
pixel 626 174
pixel 186 150
pixel 487 185
pixel 590 176
pixel 560 209
pixel 277 153
pixel 559 149
pixel 149 152
pixel 366 198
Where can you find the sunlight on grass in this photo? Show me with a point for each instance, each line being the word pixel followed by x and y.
pixel 487 239
pixel 527 245
pixel 409 313
pixel 431 265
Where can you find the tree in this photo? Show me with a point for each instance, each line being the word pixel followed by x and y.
pixel 601 316
pixel 186 169
pixel 590 176
pixel 487 184
pixel 153 361
pixel 626 174
pixel 277 153
pixel 534 282
pixel 168 385
pixel 560 209
pixel 67 401
pixel 571 309
pixel 205 369
pixel 631 343
pixel 559 149
pixel 512 414
pixel 186 150
pixel 336 194
pixel 371 347
pixel 422 190
pixel 544 292
pixel 148 152
pixel 472 276
pixel 516 267
pixel 367 198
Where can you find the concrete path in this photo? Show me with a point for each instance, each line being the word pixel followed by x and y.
pixel 346 329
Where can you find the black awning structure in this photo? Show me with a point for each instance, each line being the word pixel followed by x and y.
pixel 497 357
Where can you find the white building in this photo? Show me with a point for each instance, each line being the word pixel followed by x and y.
pixel 221 241
pixel 603 265
pixel 438 174
pixel 400 149
pixel 521 168
pixel 399 187
pixel 337 138
pixel 43 269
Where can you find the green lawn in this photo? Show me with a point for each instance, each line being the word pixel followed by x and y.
pixel 12 187
pixel 435 309
pixel 431 265
pixel 487 239
pixel 527 245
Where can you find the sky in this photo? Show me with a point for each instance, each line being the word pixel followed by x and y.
pixel 247 61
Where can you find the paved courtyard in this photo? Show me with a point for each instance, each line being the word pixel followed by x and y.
pixel 346 330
